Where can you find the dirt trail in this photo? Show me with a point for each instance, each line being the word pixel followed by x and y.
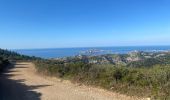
pixel 36 87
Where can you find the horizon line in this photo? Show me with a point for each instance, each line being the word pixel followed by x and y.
pixel 85 47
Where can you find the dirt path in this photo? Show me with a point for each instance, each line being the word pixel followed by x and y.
pixel 23 83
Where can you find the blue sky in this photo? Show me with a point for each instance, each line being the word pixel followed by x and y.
pixel 83 23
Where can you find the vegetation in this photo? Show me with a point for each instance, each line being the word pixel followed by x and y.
pixel 10 55
pixel 3 63
pixel 146 77
pixel 7 56
pixel 151 82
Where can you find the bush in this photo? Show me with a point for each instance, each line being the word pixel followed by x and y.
pixel 152 81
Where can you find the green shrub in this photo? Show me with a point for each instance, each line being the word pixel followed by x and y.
pixel 142 81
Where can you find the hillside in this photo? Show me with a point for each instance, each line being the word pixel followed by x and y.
pixel 10 55
pixel 143 74
pixel 132 59
pixel 25 84
pixel 6 57
pixel 146 74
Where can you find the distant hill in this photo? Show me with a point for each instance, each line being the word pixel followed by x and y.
pixel 132 59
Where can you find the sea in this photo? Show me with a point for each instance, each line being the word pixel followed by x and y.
pixel 69 52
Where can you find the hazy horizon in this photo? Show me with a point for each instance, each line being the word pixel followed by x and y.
pixel 88 47
pixel 67 52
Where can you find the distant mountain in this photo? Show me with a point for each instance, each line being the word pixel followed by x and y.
pixel 132 59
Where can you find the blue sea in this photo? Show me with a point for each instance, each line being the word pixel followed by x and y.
pixel 67 52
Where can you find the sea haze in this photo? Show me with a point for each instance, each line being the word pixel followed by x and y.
pixel 66 52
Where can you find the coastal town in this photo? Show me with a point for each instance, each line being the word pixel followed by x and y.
pixel 118 59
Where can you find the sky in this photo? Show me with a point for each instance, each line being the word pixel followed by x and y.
pixel 83 23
